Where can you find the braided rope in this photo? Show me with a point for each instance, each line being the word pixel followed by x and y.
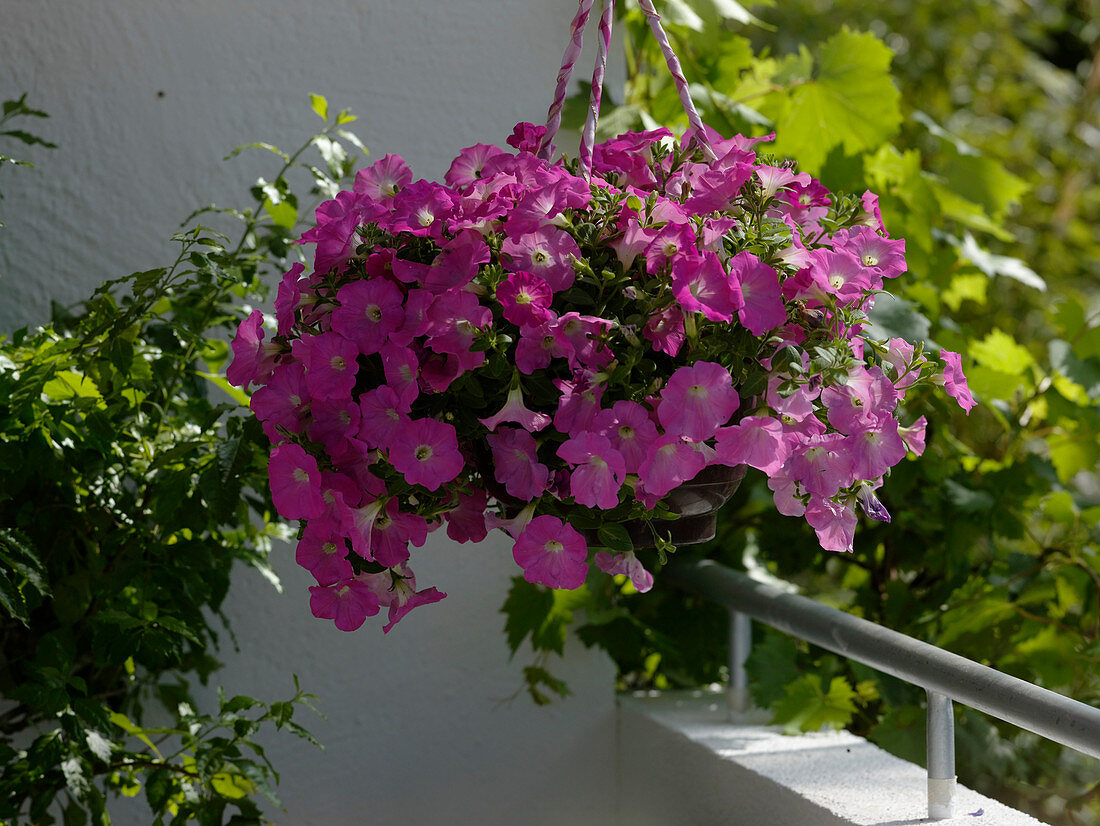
pixel 569 59
pixel 678 76
pixel 603 46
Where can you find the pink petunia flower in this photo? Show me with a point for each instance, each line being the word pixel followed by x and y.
pixel 514 410
pixel 665 330
pixel 954 381
pixel 516 464
pixel 425 452
pixel 282 402
pixel 757 441
pixel 834 523
pixel 382 416
pixel 468 167
pixel 526 137
pixel 331 362
pixel 701 285
pixel 552 553
pixel 287 298
pixel 548 253
pixel 406 598
pixel 253 361
pixel 295 482
pixel 384 178
pixel 324 555
pixel 630 429
pixel 525 299
pixel 392 533
pixel 598 470
pixel 761 306
pixel 698 399
pixel 349 602
pixel 627 564
pixel 669 462
pixel 369 313
pixel 466 520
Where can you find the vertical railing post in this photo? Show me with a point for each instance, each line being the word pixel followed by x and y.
pixel 941 757
pixel 740 647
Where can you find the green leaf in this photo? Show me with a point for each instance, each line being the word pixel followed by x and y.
pixel 999 351
pixel 526 608
pixel 806 707
pixel 772 665
pixel 993 265
pixel 283 214
pixel 984 181
pixel 235 393
pixel 616 537
pixel 320 106
pixel 892 316
pixel 535 676
pixel 849 101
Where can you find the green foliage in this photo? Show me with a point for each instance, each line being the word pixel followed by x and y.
pixel 984 161
pixel 10 110
pixel 131 484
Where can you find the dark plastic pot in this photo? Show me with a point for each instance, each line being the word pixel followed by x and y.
pixel 697 501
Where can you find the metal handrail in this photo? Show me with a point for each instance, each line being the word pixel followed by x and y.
pixel 943 675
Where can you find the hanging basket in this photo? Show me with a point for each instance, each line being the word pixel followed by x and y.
pixel 697 502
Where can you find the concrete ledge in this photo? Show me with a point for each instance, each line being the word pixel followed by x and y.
pixel 682 762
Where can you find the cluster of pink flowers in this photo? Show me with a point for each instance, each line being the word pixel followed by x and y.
pixel 520 348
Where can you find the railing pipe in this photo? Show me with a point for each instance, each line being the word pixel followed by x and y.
pixel 941 757
pixel 740 648
pixel 1008 698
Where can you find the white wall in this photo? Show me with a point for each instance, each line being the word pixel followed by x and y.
pixel 427 78
pixel 414 729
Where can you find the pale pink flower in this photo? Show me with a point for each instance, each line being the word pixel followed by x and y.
pixel 669 462
pixel 598 470
pixel 384 178
pixel 627 564
pixel 762 306
pixel 552 553
pixel 834 523
pixel 631 431
pixel 876 449
pixel 514 410
pixel 547 252
pixel 757 441
pixel 698 399
pixel 954 381
pixel 914 435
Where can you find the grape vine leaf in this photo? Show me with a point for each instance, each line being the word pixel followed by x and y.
pixel 847 100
